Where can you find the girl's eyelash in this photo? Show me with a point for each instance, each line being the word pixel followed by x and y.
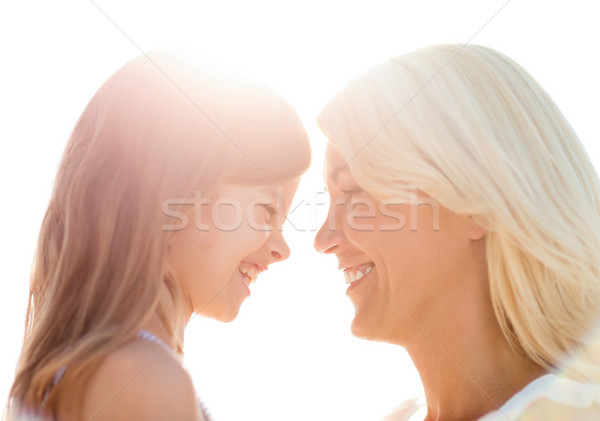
pixel 270 209
pixel 271 212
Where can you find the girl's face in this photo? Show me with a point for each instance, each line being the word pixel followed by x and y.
pixel 231 236
pixel 403 263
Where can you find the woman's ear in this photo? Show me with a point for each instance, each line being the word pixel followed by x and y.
pixel 475 231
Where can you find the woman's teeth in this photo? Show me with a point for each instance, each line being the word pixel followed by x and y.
pixel 355 274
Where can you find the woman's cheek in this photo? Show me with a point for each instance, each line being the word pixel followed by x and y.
pixel 392 217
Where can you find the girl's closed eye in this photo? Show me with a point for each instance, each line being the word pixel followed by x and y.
pixel 271 211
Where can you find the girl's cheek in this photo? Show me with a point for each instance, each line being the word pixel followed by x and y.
pixel 259 219
pixel 227 215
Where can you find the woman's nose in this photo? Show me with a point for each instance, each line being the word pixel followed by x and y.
pixel 328 238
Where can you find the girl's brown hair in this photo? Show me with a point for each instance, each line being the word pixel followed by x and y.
pixel 159 129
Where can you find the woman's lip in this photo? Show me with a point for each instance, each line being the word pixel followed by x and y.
pixel 346 267
pixel 354 285
pixel 356 275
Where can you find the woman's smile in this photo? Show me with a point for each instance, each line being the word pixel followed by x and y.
pixel 355 274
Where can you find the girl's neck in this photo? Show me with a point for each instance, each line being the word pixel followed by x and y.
pixel 159 326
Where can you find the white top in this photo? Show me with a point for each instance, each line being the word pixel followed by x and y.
pixel 547 398
pixel 551 397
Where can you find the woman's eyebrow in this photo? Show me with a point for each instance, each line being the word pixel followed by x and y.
pixel 336 172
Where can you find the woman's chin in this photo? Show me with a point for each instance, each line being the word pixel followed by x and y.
pixel 370 330
pixel 360 328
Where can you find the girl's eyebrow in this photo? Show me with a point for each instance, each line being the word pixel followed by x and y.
pixel 270 190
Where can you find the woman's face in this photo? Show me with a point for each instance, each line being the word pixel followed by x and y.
pixel 403 263
pixel 232 236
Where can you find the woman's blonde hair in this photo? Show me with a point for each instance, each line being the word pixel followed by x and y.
pixel 471 128
pixel 160 128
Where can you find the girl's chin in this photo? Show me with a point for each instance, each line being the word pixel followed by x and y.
pixel 224 315
pixel 232 311
pixel 229 315
pixel 226 319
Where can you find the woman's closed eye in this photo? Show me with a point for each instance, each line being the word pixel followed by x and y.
pixel 352 192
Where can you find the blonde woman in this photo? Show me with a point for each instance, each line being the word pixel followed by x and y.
pixel 465 216
pixel 169 201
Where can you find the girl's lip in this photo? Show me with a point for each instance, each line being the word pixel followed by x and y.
pixel 245 283
pixel 259 267
pixel 250 271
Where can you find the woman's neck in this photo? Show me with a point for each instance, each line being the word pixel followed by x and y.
pixel 469 371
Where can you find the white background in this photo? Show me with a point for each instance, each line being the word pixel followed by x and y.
pixel 289 355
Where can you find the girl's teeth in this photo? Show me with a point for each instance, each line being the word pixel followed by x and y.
pixel 253 274
pixel 359 275
pixel 250 272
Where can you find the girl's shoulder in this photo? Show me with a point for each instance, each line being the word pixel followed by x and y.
pixel 140 380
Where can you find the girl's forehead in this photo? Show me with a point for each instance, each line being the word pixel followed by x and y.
pixel 273 189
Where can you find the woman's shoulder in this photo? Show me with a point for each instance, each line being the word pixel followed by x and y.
pixel 551 397
pixel 140 380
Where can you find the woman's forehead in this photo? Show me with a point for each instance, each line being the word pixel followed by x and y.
pixel 335 165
